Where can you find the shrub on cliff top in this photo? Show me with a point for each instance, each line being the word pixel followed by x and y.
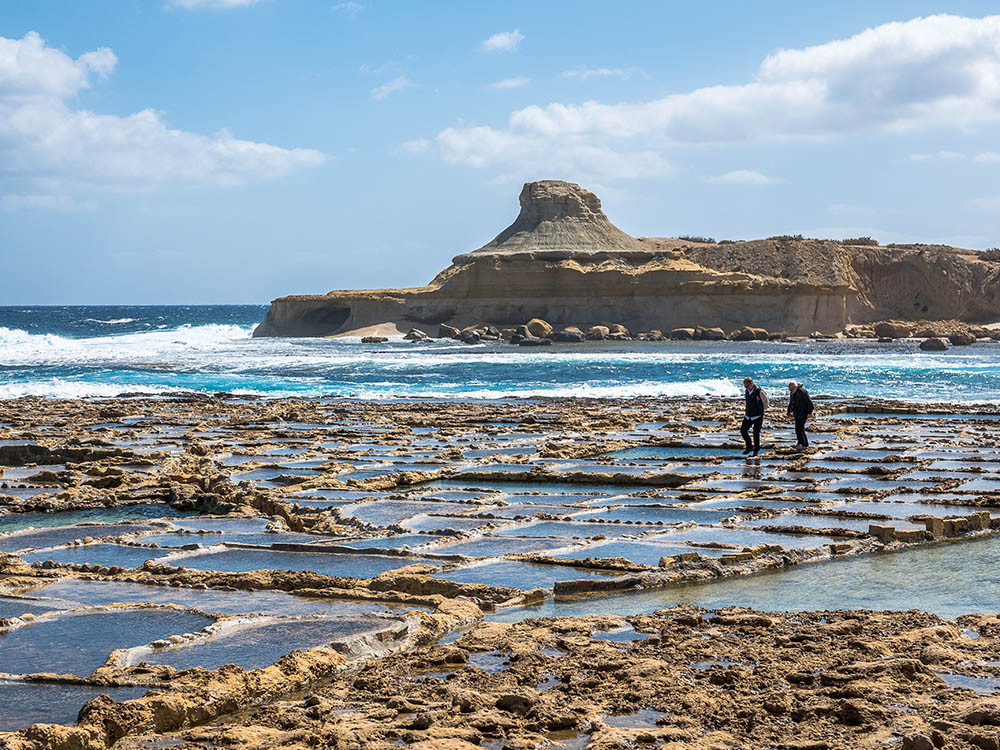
pixel 992 254
pixel 696 238
pixel 859 241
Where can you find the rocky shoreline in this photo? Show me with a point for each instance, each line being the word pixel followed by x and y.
pixel 447 513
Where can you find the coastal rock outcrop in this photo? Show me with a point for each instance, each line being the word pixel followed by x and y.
pixel 564 263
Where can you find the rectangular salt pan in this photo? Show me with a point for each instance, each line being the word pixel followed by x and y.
pixel 520 575
pixel 330 564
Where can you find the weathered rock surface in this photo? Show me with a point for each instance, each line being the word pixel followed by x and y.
pixel 564 262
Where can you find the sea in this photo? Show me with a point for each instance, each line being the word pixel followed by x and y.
pixel 106 351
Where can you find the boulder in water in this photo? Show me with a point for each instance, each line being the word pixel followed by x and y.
pixel 539 328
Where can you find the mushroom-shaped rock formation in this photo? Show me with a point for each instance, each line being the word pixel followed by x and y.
pixel 563 261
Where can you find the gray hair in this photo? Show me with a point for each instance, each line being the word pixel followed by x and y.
pixel 792 382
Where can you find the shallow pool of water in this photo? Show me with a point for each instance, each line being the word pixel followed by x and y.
pixel 520 575
pixel 488 546
pixel 96 554
pixel 330 564
pixel 101 593
pixel 261 645
pixel 80 643
pixel 62 535
pixel 571 529
pixel 27 703
pixel 17 521
pixel 948 580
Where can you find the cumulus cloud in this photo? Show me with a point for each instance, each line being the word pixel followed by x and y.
pixel 505 41
pixel 938 72
pixel 214 4
pixel 349 7
pixel 510 83
pixel 46 146
pixel 482 147
pixel 585 74
pixel 744 177
pixel 391 87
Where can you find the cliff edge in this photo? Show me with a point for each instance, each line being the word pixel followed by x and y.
pixel 562 260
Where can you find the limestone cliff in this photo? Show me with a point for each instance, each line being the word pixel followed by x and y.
pixel 563 260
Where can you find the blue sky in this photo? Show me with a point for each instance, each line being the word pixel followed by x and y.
pixel 185 151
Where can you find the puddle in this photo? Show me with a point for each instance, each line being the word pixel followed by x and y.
pixel 391 512
pixel 64 534
pixel 644 719
pixel 520 575
pixel 42 647
pixel 916 578
pixel 27 703
pixel 667 515
pixel 701 666
pixel 102 593
pixel 489 546
pixel 979 485
pixel 226 525
pixel 440 523
pixel 107 555
pixel 12 606
pixel 980 685
pixel 330 564
pixel 261 645
pixel 742 537
pixel 489 661
pixel 392 542
pixel 626 634
pixel 828 522
pixel 571 529
pixel 640 553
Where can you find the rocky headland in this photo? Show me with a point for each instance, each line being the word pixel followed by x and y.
pixel 563 272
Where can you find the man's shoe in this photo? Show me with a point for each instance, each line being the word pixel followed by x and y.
pixel 754 454
pixel 747 450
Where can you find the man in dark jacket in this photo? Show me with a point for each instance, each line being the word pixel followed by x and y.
pixel 800 406
pixel 753 416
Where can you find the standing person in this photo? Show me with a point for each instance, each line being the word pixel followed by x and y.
pixel 753 416
pixel 800 406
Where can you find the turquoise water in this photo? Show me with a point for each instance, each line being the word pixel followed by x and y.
pixel 103 351
pixel 19 521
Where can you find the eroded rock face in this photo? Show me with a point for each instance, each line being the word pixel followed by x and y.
pixel 560 216
pixel 564 262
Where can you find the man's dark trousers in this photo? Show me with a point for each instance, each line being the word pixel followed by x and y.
pixel 751 424
pixel 800 430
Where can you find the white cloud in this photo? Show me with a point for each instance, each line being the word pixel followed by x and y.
pixel 47 148
pixel 938 72
pixel 744 177
pixel 391 87
pixel 213 4
pixel 509 83
pixel 416 146
pixel 585 74
pixel 988 157
pixel 530 154
pixel 946 155
pixel 351 8
pixel 991 203
pixel 505 41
